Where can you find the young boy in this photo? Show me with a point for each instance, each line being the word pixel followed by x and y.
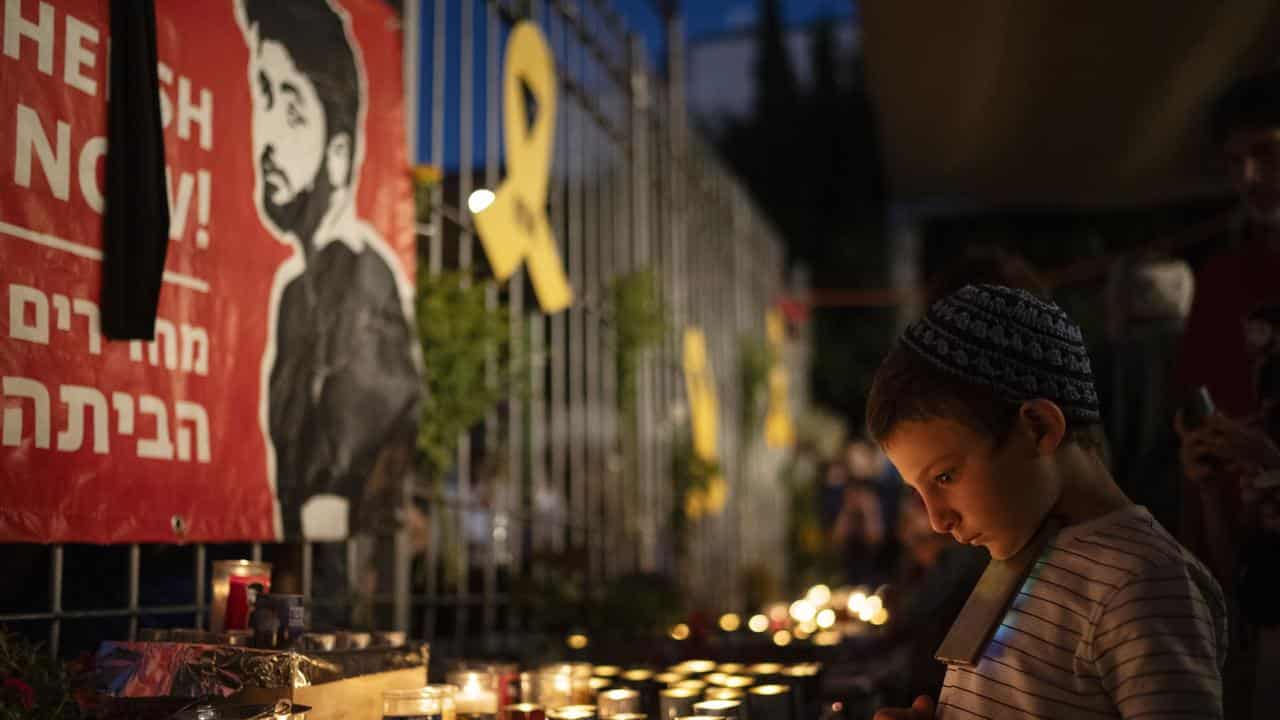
pixel 987 407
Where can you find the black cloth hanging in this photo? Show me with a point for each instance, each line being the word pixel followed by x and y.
pixel 135 224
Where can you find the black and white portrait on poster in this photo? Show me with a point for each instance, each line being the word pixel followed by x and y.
pixel 341 369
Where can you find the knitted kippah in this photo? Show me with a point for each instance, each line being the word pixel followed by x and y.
pixel 1011 341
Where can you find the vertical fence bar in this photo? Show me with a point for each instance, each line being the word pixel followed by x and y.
pixel 676 229
pixel 620 263
pixel 726 333
pixel 55 597
pixel 465 249
pixel 411 30
pixel 400 581
pixel 436 241
pixel 308 566
pixel 135 580
pixel 431 588
pixel 544 526
pixel 706 311
pixel 560 177
pixel 574 65
pixel 590 291
pixel 737 482
pixel 515 416
pixel 609 476
pixel 466 147
pixel 351 551
pixel 640 209
pixel 536 397
pixel 435 263
pixel 711 325
pixel 658 363
pixel 697 203
pixel 644 401
pixel 740 258
pixel 199 574
pixel 715 345
pixel 255 552
pixel 502 481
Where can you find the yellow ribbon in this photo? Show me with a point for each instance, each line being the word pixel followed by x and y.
pixel 778 429
pixel 514 227
pixel 700 386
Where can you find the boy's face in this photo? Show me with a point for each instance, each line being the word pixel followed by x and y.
pixel 1253 157
pixel 977 493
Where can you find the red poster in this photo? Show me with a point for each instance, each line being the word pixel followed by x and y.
pixel 281 385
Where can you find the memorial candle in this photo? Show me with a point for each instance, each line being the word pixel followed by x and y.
pixel 724 693
pixel 719 708
pixel 523 711
pixel 617 701
pixel 678 702
pixel 433 702
pixel 770 702
pixel 477 698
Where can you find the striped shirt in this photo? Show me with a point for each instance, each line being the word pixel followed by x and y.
pixel 1115 620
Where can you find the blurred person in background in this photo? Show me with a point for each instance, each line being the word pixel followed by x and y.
pixel 1231 462
pixel 834 481
pixel 1147 299
pixel 930 585
pixel 864 529
pixel 858 534
pixel 985 264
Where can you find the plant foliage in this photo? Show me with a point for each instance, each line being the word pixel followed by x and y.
pixel 458 330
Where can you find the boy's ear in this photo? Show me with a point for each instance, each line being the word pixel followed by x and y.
pixel 1044 422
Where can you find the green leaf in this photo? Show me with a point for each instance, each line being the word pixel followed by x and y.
pixel 457 331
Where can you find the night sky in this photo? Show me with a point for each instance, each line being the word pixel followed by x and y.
pixel 704 19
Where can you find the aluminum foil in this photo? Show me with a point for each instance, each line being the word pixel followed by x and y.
pixel 168 669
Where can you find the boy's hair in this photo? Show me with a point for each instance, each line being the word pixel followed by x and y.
pixel 908 388
pixel 1252 103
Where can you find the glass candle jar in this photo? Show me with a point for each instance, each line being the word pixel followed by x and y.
pixel 696 667
pixel 693 684
pixel 770 702
pixel 731 709
pixel 433 702
pixel 523 711
pixel 477 695
pixel 668 679
pixel 248 573
pixel 573 712
pixel 617 701
pixel 553 686
pixel 677 702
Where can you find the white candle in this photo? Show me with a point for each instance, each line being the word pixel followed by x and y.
pixel 473 698
pixel 617 702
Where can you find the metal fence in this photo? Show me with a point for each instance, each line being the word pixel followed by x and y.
pixel 541 481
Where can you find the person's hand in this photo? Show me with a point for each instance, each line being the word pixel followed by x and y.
pixel 1260 500
pixel 1269 510
pixel 1245 447
pixel 921 709
pixel 1196 451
